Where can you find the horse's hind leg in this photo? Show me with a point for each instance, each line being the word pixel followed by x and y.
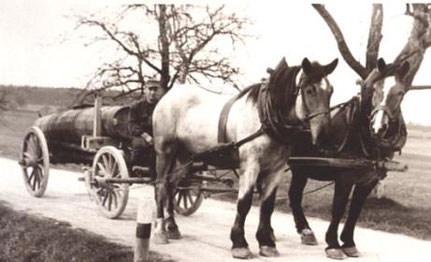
pixel 164 164
pixel 358 199
pixel 296 190
pixel 182 170
pixel 170 223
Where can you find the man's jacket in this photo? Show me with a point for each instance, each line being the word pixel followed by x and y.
pixel 140 118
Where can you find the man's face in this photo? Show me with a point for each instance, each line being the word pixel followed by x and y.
pixel 153 93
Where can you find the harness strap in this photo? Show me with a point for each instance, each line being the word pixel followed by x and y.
pixel 222 138
pixel 385 109
pixel 256 134
pixel 352 113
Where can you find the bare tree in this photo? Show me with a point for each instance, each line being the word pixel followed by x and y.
pixel 185 48
pixel 413 51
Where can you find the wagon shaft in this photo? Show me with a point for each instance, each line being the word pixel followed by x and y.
pixel 387 165
pixel 101 181
pixel 392 166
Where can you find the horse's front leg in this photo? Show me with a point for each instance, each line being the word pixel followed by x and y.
pixel 360 194
pixel 296 191
pixel 264 232
pixel 247 181
pixel 343 187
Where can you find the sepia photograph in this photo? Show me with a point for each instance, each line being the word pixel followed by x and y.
pixel 215 131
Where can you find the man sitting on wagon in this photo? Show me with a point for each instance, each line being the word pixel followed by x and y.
pixel 140 126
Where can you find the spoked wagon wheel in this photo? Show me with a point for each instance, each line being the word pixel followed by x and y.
pixel 35 162
pixel 188 197
pixel 111 198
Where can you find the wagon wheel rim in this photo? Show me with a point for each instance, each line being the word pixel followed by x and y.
pixel 35 162
pixel 112 198
pixel 187 198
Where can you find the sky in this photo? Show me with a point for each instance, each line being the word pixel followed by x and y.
pixel 40 45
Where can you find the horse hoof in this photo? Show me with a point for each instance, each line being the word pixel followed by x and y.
pixel 308 237
pixel 335 253
pixel 351 251
pixel 267 251
pixel 160 238
pixel 174 233
pixel 242 253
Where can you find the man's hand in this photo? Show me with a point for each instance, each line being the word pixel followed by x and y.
pixel 147 138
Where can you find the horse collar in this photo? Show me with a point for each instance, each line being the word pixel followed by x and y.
pixel 273 116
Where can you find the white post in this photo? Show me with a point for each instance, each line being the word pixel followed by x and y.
pixel 97 118
pixel 144 219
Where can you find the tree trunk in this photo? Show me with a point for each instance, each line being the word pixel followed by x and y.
pixel 164 47
pixel 418 42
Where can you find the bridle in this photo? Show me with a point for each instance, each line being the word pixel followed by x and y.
pixel 391 140
pixel 308 116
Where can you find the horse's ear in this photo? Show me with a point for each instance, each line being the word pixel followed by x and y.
pixel 331 67
pixel 381 65
pixel 404 69
pixel 306 66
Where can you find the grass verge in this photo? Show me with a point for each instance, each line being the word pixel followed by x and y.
pixel 29 238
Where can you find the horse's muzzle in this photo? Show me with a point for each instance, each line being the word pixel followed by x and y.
pixel 319 128
pixel 379 123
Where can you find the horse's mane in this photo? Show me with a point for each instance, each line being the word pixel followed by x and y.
pixel 284 79
pixel 252 91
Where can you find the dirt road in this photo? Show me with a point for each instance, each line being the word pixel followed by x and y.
pixel 206 233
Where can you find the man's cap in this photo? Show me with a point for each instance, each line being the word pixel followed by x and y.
pixel 152 83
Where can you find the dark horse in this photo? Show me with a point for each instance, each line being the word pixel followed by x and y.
pixel 352 136
pixel 186 124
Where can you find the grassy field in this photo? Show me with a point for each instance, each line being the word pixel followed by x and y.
pixel 405 209
pixel 29 238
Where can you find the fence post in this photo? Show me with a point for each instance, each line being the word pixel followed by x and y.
pixel 144 220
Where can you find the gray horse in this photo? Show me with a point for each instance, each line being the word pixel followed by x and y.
pixel 185 123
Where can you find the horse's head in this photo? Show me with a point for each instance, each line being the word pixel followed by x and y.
pixel 313 100
pixel 387 96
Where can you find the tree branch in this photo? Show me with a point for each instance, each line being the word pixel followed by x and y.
pixel 342 46
pixel 374 37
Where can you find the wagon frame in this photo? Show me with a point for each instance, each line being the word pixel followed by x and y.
pixel 107 177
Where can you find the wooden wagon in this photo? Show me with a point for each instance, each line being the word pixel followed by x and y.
pixel 98 137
